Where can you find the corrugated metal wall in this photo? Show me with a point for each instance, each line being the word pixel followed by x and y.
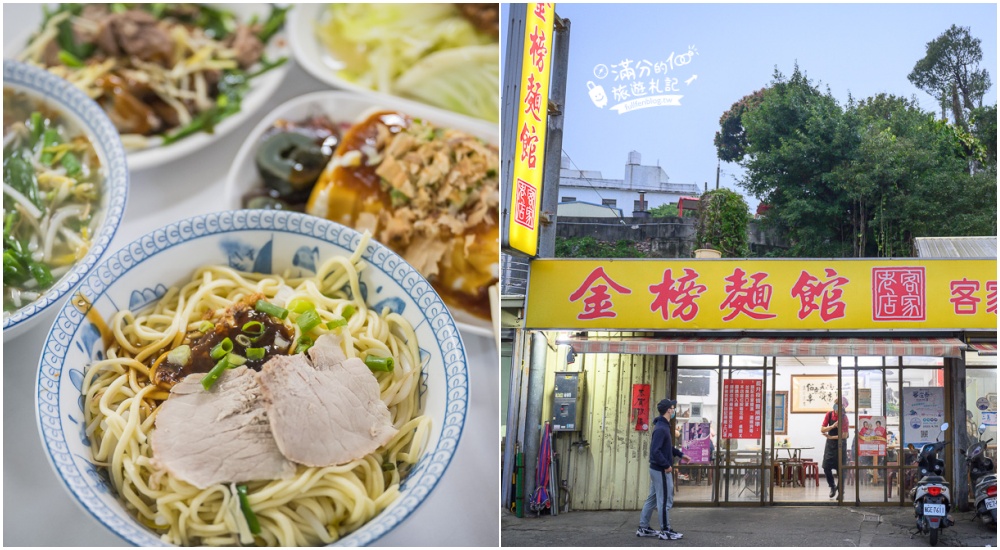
pixel 612 472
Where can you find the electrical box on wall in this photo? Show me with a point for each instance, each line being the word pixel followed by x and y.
pixel 567 402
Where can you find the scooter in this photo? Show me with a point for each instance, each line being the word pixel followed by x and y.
pixel 983 478
pixel 932 497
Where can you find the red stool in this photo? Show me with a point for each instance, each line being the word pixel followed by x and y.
pixel 810 468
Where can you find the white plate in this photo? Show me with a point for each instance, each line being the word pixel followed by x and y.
pixel 260 90
pixel 312 56
pixel 348 107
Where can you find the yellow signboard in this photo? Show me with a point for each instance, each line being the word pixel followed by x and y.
pixel 529 149
pixel 869 294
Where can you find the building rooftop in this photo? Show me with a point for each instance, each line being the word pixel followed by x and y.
pixel 956 247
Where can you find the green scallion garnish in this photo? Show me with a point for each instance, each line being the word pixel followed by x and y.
pixel 255 354
pixel 348 310
pixel 308 320
pixel 377 363
pixel 253 328
pixel 247 512
pixel 215 373
pixel 264 306
pixel 244 340
pixel 206 326
pixel 301 305
pixel 338 322
pixel 304 344
pixel 221 349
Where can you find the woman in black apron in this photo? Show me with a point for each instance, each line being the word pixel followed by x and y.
pixel 835 437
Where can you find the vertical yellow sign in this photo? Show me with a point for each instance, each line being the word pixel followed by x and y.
pixel 529 150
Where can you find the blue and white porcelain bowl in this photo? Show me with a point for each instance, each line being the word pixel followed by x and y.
pixel 88 116
pixel 257 240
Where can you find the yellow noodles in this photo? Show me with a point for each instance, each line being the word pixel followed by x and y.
pixel 317 505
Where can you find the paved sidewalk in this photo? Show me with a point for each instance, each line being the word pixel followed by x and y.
pixel 769 526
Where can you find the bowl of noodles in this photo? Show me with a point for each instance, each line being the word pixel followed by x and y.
pixel 65 188
pixel 252 377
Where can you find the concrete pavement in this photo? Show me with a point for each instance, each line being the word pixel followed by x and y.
pixel 731 526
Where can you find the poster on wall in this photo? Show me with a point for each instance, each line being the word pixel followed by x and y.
pixel 640 407
pixel 923 414
pixel 990 419
pixel 871 436
pixel 864 398
pixel 696 441
pixel 741 403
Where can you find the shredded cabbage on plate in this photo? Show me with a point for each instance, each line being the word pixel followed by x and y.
pixel 427 52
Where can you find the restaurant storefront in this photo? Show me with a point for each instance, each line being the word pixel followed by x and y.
pixel 755 352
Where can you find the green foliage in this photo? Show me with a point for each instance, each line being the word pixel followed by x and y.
pixel 949 72
pixel 668 210
pixel 730 141
pixel 723 222
pixel 589 247
pixel 865 179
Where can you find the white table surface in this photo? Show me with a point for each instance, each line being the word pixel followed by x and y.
pixel 38 511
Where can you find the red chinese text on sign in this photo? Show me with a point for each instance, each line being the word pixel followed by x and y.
pixel 533 98
pixel 745 299
pixel 741 405
pixel 682 293
pixel 529 143
pixel 538 50
pixel 899 294
pixel 991 297
pixel 541 10
pixel 809 287
pixel 524 204
pixel 962 296
pixel 598 304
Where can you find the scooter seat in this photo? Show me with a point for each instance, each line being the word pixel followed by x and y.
pixel 932 479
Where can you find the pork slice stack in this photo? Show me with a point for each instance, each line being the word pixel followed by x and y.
pixel 258 426
pixel 219 436
pixel 326 412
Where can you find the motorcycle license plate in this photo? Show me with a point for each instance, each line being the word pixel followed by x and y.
pixel 933 509
pixel 991 503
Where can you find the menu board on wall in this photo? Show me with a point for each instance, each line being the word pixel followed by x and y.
pixel 696 441
pixel 741 402
pixel 922 415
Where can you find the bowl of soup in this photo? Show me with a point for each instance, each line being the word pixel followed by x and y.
pixel 253 377
pixel 65 188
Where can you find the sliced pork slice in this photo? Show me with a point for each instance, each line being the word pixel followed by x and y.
pixel 326 353
pixel 222 435
pixel 324 414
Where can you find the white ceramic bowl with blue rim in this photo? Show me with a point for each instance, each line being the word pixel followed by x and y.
pixel 256 240
pixel 88 116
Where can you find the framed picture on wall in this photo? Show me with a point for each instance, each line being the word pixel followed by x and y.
pixel 780 412
pixel 813 393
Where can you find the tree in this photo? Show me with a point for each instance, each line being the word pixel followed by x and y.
pixel 950 72
pixel 730 140
pixel 723 222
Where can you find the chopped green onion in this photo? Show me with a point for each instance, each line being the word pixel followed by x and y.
pixel 388 466
pixel 253 328
pixel 308 320
pixel 300 305
pixel 215 373
pixel 304 344
pixel 244 340
pixel 70 60
pixel 236 359
pixel 247 512
pixel 264 306
pixel 180 355
pixel 206 326
pixel 41 274
pixel 377 363
pixel 349 310
pixel 50 138
pixel 222 348
pixel 71 164
pixel 255 354
pixel 338 322
pixel 37 127
pixel 274 22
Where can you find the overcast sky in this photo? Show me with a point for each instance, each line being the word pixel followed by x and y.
pixel 721 52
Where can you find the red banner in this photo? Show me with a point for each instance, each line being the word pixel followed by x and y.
pixel 741 403
pixel 640 406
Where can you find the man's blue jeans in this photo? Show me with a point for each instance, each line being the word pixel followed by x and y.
pixel 661 495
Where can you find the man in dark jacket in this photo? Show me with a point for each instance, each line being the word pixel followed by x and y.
pixel 661 464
